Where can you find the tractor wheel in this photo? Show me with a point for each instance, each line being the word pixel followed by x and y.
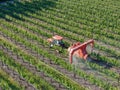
pixel 51 45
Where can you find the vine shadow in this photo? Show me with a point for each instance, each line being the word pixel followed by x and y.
pixel 15 7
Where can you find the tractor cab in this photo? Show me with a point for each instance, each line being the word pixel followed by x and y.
pixel 56 40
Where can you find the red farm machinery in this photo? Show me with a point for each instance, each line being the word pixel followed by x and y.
pixel 80 50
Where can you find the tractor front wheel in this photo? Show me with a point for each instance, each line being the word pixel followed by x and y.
pixel 51 45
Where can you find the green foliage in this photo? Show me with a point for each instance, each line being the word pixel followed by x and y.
pixel 76 20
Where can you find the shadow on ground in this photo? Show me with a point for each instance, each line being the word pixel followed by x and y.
pixel 14 7
pixel 3 1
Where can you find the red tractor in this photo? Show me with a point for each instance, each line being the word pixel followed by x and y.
pixel 56 40
pixel 79 50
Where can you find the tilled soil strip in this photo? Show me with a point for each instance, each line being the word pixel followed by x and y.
pixel 70 74
pixel 16 76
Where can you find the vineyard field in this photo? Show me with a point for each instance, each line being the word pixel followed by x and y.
pixel 28 63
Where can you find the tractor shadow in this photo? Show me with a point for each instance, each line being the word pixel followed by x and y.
pixel 15 7
pixel 87 64
pixel 102 63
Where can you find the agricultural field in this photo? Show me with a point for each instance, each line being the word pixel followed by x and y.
pixel 28 63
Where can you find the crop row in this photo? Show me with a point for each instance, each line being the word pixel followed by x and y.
pixel 100 14
pixel 82 13
pixel 7 82
pixel 42 41
pixel 27 34
pixel 66 34
pixel 42 67
pixel 41 32
pixel 38 82
pixel 54 58
pixel 111 74
pixel 108 50
pixel 93 30
pixel 65 22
